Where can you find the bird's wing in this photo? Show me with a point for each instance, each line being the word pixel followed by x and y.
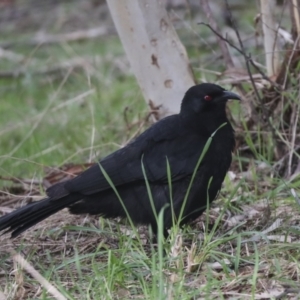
pixel 163 141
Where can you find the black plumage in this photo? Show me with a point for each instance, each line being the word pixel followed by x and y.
pixel 176 142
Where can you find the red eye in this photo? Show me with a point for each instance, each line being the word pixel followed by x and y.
pixel 207 98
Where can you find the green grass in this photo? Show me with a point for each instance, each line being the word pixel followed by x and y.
pixel 42 124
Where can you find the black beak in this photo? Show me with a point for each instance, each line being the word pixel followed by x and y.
pixel 229 95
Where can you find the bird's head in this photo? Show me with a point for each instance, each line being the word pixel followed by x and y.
pixel 206 97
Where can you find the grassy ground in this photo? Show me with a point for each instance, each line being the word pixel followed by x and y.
pixel 245 247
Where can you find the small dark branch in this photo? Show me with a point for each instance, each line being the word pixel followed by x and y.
pixel 247 57
pixel 214 27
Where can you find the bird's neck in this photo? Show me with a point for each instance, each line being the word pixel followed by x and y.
pixel 206 122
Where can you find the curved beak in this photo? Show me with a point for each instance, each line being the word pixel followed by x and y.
pixel 230 95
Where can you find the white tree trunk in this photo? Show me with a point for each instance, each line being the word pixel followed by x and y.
pixel 270 36
pixel 156 55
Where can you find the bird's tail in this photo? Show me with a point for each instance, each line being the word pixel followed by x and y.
pixel 31 214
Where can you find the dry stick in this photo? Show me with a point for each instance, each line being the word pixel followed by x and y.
pixel 36 275
pixel 45 38
pixel 214 27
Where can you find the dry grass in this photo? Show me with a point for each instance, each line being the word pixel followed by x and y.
pixel 249 251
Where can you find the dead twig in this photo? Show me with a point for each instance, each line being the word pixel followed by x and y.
pixel 24 264
pixel 246 56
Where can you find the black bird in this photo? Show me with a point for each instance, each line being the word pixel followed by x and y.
pixel 175 143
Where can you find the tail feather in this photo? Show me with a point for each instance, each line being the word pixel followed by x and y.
pixel 31 214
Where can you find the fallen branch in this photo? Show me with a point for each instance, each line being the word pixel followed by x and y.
pixel 42 38
pixel 24 264
pixel 73 63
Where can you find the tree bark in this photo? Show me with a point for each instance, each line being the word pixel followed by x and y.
pixel 157 57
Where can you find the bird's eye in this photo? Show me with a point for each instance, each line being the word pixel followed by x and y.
pixel 207 98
